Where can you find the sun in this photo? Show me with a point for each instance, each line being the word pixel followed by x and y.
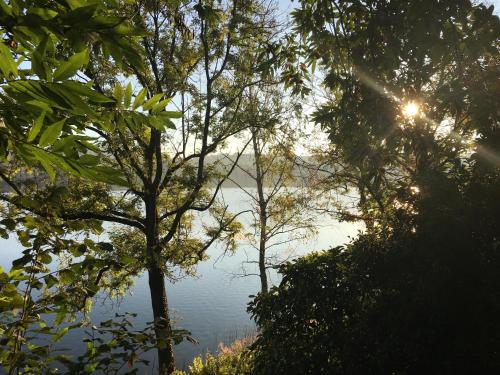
pixel 411 109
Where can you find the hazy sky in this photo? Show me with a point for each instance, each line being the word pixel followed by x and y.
pixel 496 3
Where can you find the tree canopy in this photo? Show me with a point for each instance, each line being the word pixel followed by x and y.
pixel 378 56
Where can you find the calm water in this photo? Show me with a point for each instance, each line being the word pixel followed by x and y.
pixel 211 305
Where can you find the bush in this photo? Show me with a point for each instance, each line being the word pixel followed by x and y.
pixel 419 297
pixel 306 317
pixel 235 359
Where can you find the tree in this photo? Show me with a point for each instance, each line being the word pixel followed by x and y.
pixel 412 296
pixel 384 55
pixel 163 163
pixel 37 297
pixel 280 202
pixel 45 109
pixel 418 291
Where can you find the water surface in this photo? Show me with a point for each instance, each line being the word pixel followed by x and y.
pixel 211 305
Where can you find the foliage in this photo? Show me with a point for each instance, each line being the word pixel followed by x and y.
pixel 120 90
pixel 115 346
pixel 377 56
pixel 46 108
pixel 186 249
pixel 297 318
pixel 235 359
pixel 418 292
pixel 111 347
pixel 195 60
pixel 46 291
pixel 280 203
pixel 139 93
pixel 37 296
pixel 45 102
pixel 420 297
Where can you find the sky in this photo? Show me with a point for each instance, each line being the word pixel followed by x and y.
pixel 495 3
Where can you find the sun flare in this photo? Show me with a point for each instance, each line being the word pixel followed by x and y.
pixel 411 109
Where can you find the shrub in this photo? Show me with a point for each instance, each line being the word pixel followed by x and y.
pixel 235 359
pixel 424 302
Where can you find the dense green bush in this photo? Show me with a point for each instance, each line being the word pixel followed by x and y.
pixel 420 296
pixel 236 359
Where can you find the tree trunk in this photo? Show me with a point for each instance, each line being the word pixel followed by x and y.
pixel 163 328
pixel 263 213
pixel 262 265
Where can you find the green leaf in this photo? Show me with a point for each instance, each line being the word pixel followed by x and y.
pixel 69 100
pixel 90 368
pixel 113 49
pixel 139 99
pixel 89 160
pixel 60 317
pixel 128 95
pixel 158 107
pixel 69 68
pixel 50 280
pixel 164 117
pixel 48 168
pixel 37 126
pixel 80 15
pixel 8 66
pixel 51 134
pixel 66 276
pixel 118 94
pixel 82 89
pixel 9 223
pixel 126 259
pixel 39 105
pixel 172 114
pixel 125 29
pixel 6 9
pixel 152 102
pixel 75 4
pixel 78 250
pixel 60 334
pixel 45 258
pixel 21 262
pixel 44 13
pixel 38 59
pixel 157 123
pixel 17 274
pixel 104 174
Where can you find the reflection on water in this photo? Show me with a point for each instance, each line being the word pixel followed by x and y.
pixel 212 305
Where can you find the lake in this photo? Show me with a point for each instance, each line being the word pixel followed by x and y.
pixel 211 305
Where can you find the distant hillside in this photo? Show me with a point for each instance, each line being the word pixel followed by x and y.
pixel 245 163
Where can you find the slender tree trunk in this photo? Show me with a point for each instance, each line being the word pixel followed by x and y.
pixel 163 328
pixel 262 264
pixel 263 213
